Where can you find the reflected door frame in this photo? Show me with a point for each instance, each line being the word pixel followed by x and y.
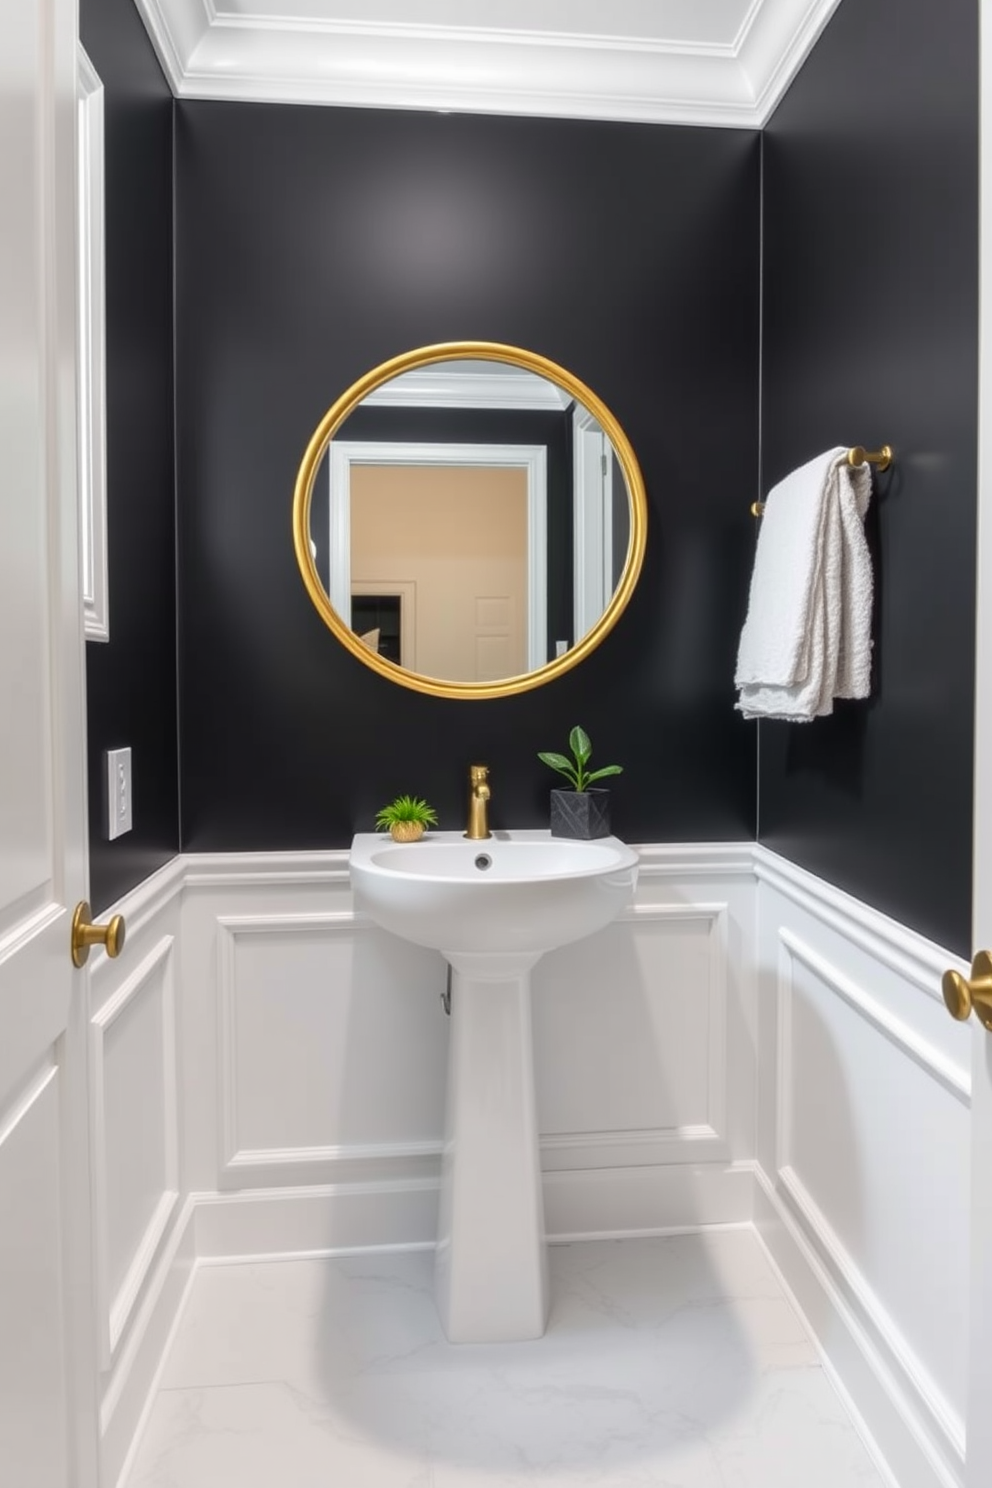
pixel 592 524
pixel 532 458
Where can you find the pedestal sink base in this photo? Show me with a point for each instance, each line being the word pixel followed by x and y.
pixel 492 907
pixel 491 1270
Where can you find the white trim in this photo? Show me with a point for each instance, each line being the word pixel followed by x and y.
pixel 141 906
pixel 621 1202
pixel 532 458
pixel 945 1417
pixel 264 869
pixel 677 860
pixel 592 523
pixel 589 1204
pixel 904 951
pixel 431 387
pixel 133 1383
pixel 293 59
pixel 563 1152
pixel 91 355
pixel 114 1312
pixel 955 1078
pixel 316 1219
pixel 979 1417
pixel 348 1154
pixel 27 1097
pixel 232 1156
pixel 717 998
pixel 817 1228
pixel 853 1350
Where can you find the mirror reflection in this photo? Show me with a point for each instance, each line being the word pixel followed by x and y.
pixel 470 521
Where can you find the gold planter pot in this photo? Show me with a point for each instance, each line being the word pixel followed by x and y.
pixel 406 831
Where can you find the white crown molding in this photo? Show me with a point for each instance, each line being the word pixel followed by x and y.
pixel 314 59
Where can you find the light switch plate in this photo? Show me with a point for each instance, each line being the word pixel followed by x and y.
pixel 118 792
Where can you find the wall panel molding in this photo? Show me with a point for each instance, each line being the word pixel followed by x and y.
pixel 264 870
pixel 904 951
pixel 865 1374
pixel 955 1076
pixel 831 967
pixel 115 1306
pixel 244 1162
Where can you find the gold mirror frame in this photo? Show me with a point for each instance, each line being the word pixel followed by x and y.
pixel 490 351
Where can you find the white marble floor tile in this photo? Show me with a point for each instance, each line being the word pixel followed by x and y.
pixel 666 1362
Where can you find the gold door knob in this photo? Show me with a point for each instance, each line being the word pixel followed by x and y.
pixel 84 935
pixel 963 996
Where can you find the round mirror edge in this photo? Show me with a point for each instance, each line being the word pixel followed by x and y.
pixel 424 356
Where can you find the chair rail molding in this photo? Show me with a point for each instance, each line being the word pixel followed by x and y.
pixel 726 63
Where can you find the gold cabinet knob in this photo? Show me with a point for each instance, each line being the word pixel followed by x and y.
pixel 84 935
pixel 963 996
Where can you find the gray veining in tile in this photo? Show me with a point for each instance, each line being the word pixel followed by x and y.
pixel 674 1363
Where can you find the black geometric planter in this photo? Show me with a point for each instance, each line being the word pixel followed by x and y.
pixel 582 814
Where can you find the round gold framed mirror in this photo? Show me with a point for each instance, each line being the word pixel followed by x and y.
pixel 469 520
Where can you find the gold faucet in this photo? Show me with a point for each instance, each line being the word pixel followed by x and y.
pixel 478 801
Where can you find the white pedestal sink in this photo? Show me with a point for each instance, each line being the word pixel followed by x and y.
pixel 492 908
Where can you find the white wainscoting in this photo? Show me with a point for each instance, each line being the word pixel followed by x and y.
pixel 863 1147
pixel 330 1044
pixel 745 1043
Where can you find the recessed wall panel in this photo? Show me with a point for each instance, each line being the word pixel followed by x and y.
pixel 875 1146
pixel 333 1037
pixel 137 1114
pixel 629 1026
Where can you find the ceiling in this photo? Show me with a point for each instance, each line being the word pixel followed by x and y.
pixel 722 62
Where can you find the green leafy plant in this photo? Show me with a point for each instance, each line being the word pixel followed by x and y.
pixel 581 778
pixel 406 809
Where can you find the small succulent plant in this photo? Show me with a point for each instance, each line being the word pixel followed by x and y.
pixel 580 777
pixel 405 818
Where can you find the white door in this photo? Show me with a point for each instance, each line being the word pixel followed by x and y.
pixel 979 1423
pixel 47 1389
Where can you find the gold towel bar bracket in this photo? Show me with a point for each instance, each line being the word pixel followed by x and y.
pixel 856 455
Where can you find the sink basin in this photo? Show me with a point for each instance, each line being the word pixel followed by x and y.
pixel 515 892
pixel 493 908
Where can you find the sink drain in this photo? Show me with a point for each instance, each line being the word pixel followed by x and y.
pixel 483 861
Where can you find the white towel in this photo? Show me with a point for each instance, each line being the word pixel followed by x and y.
pixel 807 636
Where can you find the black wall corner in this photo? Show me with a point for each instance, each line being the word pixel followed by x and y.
pixel 312 244
pixel 131 680
pixel 870 337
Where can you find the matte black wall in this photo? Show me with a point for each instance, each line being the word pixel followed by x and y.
pixel 131 681
pixel 870 336
pixel 312 244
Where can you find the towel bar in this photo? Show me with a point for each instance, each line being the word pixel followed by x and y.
pixel 856 455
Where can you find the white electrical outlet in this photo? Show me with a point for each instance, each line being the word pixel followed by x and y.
pixel 118 792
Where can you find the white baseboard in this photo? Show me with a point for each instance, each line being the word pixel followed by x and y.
pixel 132 1383
pixel 614 1203
pixel 586 1204
pixel 318 1220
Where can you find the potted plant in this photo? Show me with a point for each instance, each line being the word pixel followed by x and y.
pixel 406 818
pixel 579 812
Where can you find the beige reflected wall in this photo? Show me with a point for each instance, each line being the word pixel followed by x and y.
pixel 452 539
